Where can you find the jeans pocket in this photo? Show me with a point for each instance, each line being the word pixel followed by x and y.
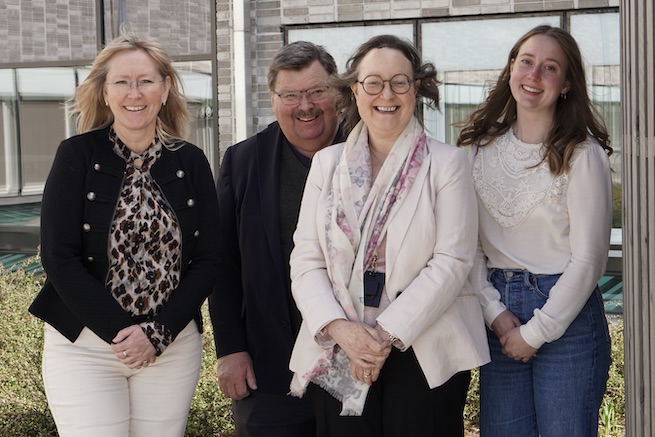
pixel 598 297
pixel 543 283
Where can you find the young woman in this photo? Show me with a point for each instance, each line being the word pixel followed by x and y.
pixel 542 176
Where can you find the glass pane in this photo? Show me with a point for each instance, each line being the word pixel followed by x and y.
pixel 469 56
pixel 598 36
pixel 9 180
pixel 197 82
pixel 43 93
pixel 42 127
pixel 341 42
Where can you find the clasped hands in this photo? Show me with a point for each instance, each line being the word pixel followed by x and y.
pixel 367 347
pixel 506 327
pixel 133 348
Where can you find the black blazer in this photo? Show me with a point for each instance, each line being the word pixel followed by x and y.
pixel 79 201
pixel 250 304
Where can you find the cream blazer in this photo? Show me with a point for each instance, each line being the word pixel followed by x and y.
pixel 430 247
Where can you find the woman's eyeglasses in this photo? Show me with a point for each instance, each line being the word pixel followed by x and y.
pixel 374 84
pixel 293 98
pixel 142 84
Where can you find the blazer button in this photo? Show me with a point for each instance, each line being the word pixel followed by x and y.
pixel 196 234
pixel 190 203
pixel 180 174
pixel 96 167
pixel 91 196
pixel 90 259
pixel 86 227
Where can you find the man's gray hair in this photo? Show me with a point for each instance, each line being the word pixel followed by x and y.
pixel 298 56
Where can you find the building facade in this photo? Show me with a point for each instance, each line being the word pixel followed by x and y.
pixel 46 49
pixel 223 49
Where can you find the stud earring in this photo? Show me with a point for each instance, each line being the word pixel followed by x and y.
pixel 563 96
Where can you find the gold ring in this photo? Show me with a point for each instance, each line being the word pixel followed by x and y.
pixel 125 354
pixel 367 375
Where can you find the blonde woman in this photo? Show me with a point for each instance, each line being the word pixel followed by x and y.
pixel 129 253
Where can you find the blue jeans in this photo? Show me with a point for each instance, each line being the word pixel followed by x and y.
pixel 559 391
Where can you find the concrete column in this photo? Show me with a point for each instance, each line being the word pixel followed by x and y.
pixel 638 101
pixel 242 71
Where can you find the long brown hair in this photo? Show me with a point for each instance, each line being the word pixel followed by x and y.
pixel 575 116
pixel 88 101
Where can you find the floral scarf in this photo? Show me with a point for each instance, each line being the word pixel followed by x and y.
pixel 357 217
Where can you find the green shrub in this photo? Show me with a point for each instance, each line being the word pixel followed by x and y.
pixel 612 414
pixel 24 409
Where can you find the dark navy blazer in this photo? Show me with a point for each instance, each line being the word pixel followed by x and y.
pixel 250 308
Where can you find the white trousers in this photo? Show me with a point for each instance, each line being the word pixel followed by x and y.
pixel 91 393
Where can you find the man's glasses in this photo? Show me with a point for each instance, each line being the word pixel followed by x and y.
pixel 374 85
pixel 142 84
pixel 293 98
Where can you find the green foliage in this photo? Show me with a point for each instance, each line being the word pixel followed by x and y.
pixel 617 219
pixel 23 405
pixel 472 407
pixel 612 414
pixel 24 409
pixel 211 413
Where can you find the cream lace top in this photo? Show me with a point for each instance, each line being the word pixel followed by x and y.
pixel 532 220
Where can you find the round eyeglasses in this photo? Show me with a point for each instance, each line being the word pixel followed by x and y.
pixel 144 85
pixel 374 84
pixel 293 98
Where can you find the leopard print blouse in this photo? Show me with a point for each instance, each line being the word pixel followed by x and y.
pixel 144 244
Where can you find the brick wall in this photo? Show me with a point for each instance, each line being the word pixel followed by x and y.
pixel 46 30
pixel 40 31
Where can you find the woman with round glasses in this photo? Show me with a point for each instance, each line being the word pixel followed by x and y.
pixel 386 237
pixel 128 245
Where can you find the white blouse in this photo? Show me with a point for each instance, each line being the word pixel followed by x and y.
pixel 532 220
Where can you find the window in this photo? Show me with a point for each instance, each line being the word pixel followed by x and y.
pixel 469 64
pixel 8 163
pixel 42 120
pixel 341 42
pixel 598 38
